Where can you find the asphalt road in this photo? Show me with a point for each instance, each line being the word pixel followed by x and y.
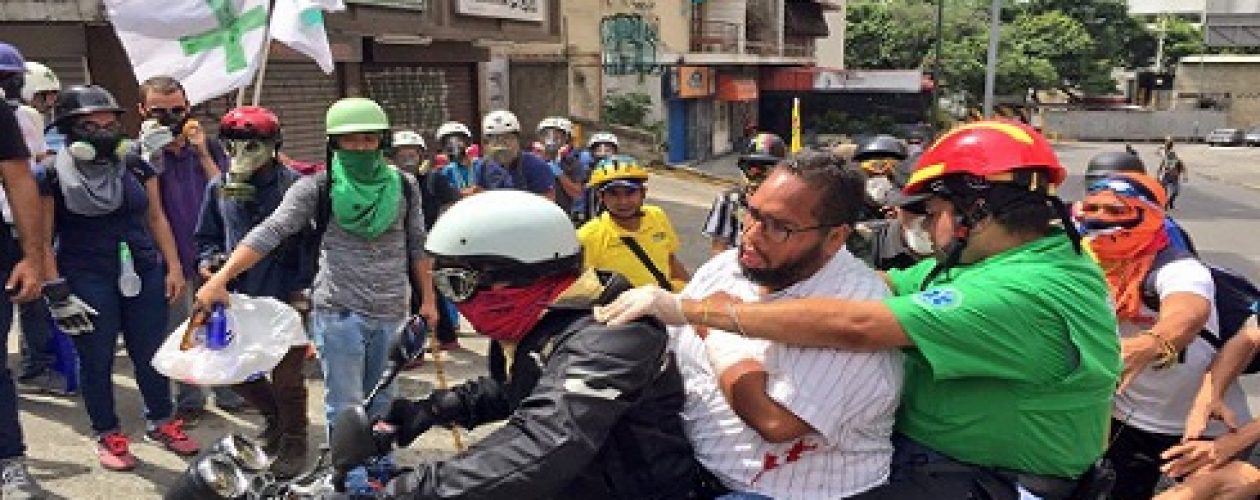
pixel 1217 207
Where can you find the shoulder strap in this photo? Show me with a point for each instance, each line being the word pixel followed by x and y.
pixel 1150 295
pixel 647 262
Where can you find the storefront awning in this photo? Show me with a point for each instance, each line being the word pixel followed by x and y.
pixel 733 88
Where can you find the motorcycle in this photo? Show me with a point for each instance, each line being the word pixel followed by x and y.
pixel 236 467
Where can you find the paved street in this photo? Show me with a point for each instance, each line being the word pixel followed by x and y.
pixel 1216 206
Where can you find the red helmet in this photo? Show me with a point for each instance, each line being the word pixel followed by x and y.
pixel 249 122
pixel 994 150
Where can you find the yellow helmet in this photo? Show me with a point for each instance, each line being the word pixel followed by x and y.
pixel 617 168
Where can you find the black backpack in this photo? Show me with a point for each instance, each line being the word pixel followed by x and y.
pixel 1237 299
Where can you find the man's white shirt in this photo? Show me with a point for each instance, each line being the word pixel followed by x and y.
pixel 850 398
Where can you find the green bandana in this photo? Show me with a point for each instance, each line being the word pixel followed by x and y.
pixel 365 192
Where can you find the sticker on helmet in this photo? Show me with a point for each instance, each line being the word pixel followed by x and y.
pixel 939 298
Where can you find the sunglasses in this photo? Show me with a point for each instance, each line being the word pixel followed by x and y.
pixel 1123 188
pixel 177 110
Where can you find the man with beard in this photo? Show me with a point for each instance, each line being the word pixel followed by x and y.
pixel 629 237
pixel 773 421
pixel 1010 344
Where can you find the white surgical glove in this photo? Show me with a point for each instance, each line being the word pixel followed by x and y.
pixel 154 137
pixel 725 349
pixel 648 300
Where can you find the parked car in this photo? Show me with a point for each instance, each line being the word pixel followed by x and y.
pixel 1227 137
pixel 1253 137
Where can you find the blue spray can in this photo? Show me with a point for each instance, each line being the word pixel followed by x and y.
pixel 65 357
pixel 218 336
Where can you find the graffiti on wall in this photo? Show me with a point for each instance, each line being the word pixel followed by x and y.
pixel 414 97
pixel 630 45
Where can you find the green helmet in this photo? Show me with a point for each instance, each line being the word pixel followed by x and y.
pixel 355 114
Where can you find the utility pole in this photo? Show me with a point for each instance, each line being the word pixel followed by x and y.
pixel 990 73
pixel 1159 47
pixel 936 65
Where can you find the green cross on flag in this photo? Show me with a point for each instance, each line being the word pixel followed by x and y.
pixel 227 34
pixel 211 46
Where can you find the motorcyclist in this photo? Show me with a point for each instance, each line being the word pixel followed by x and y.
pixel 506 166
pixel 555 146
pixel 592 411
pixel 724 224
pixel 1010 326
pixel 888 235
pixel 453 141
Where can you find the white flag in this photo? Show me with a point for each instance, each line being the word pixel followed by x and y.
pixel 211 46
pixel 300 25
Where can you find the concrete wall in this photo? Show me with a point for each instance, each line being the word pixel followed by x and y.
pixel 1236 85
pixel 830 50
pixel 1132 125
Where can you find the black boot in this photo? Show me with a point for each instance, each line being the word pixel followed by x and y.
pixel 270 434
pixel 290 456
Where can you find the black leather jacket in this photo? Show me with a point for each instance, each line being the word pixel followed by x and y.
pixel 593 412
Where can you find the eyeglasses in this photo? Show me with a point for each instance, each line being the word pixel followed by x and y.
pixel 86 127
pixel 775 230
pixel 177 110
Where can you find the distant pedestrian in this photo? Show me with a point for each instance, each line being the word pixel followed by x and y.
pixel 1172 172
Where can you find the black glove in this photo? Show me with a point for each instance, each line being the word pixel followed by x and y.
pixel 411 418
pixel 71 314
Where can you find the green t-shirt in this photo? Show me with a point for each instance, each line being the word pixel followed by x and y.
pixel 1015 362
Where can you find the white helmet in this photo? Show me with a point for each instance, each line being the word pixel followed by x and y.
pixel 407 138
pixel 603 137
pixel 505 225
pixel 449 128
pixel 39 78
pixel 556 122
pixel 500 121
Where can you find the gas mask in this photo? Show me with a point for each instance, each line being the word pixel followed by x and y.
pixel 409 160
pixel 455 147
pixel 90 141
pixel 503 148
pixel 552 140
pixel 918 239
pixel 877 189
pixel 248 156
pixel 603 150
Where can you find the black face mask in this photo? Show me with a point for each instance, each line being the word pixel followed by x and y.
pixel 170 119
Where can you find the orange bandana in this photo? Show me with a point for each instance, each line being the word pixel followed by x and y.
pixel 1124 231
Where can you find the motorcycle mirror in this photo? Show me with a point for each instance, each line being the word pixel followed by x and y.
pixel 352 442
pixel 409 343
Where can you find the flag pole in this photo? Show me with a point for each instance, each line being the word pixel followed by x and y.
pixel 266 54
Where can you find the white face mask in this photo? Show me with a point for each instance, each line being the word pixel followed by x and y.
pixel 877 188
pixel 917 238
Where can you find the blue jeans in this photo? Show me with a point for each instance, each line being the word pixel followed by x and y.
pixel 11 443
pixel 193 397
pixel 353 352
pixel 142 321
pixel 37 356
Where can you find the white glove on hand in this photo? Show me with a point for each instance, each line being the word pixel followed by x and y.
pixel 648 300
pixel 154 137
pixel 725 349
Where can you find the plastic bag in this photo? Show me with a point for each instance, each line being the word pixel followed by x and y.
pixel 263 330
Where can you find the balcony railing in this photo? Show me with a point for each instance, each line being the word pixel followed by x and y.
pixel 775 49
pixel 716 37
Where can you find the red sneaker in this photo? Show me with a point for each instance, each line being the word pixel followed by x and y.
pixel 171 434
pixel 112 450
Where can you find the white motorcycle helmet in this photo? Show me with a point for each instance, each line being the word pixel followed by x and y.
pixel 556 122
pixel 603 138
pixel 449 128
pixel 500 121
pixel 39 78
pixel 408 138
pixel 500 236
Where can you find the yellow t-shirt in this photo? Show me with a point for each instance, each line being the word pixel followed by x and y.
pixel 602 247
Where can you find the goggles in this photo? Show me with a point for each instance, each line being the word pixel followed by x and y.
pixel 461 283
pixel 1124 188
pixel 879 166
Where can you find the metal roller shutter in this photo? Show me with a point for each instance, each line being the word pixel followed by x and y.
pixel 423 97
pixel 299 93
